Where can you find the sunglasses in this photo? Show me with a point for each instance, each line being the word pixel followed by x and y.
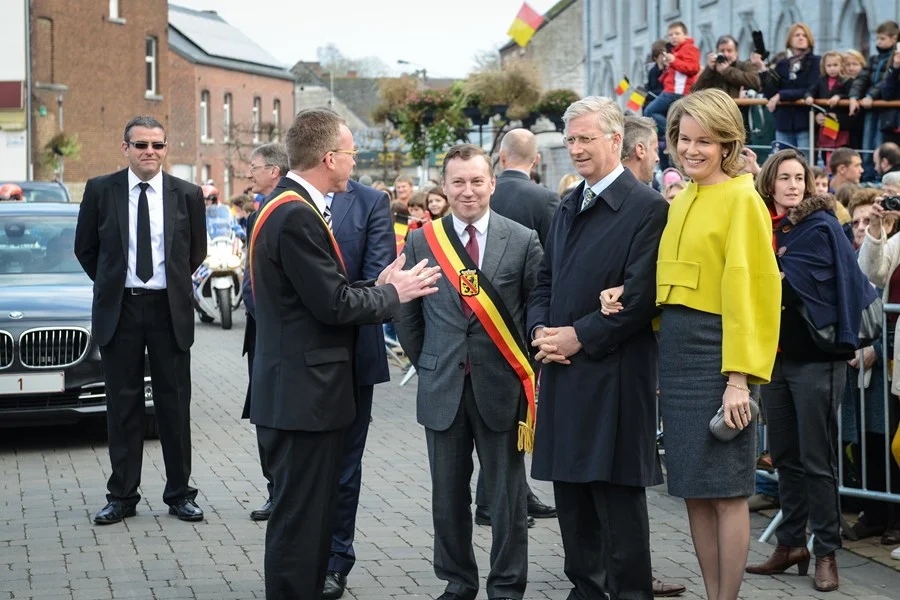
pixel 144 145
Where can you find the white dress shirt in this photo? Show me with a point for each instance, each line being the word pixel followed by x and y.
pixel 157 235
pixel 481 226
pixel 604 183
pixel 317 197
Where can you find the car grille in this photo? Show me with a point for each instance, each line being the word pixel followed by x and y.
pixel 53 348
pixel 6 349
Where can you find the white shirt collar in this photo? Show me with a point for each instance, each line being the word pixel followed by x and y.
pixel 481 224
pixel 604 183
pixel 317 197
pixel 156 182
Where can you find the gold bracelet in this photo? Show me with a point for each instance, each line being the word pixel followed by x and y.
pixel 738 386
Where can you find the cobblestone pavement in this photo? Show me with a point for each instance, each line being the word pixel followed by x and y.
pixel 53 480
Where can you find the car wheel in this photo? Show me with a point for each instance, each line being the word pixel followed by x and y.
pixel 151 427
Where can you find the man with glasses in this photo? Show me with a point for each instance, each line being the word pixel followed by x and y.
pixel 596 431
pixel 141 233
pixel 303 397
pixel 268 164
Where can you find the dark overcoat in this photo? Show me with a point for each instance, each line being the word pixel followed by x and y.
pixel 596 417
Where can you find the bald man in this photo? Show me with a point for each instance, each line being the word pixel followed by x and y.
pixel 516 197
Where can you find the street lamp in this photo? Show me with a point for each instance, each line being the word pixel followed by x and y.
pixel 421 71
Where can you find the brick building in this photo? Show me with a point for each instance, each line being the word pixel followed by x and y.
pixel 227 96
pixel 99 63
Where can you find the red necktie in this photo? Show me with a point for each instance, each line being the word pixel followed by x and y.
pixel 472 250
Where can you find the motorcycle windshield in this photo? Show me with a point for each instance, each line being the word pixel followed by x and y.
pixel 219 221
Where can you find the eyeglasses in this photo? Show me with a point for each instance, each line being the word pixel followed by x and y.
pixel 255 167
pixel 144 145
pixel 353 153
pixel 584 140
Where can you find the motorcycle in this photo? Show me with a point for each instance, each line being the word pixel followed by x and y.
pixel 217 282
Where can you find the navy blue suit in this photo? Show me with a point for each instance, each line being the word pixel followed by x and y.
pixel 361 221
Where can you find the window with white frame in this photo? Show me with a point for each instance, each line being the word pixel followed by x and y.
pixel 151 59
pixel 114 10
pixel 257 107
pixel 204 174
pixel 276 120
pixel 204 115
pixel 226 182
pixel 226 117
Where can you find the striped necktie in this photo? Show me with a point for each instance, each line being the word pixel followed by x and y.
pixel 589 196
pixel 327 216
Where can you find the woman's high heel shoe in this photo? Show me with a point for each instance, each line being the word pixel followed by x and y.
pixel 783 559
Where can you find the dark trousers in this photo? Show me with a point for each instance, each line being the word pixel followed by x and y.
pixel 146 322
pixel 481 494
pixel 305 469
pixel 450 459
pixel 801 405
pixel 250 351
pixel 343 556
pixel 606 538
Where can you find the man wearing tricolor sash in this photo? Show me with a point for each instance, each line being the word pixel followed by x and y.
pixel 476 383
pixel 303 395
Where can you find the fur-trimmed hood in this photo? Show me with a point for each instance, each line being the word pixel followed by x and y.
pixel 808 206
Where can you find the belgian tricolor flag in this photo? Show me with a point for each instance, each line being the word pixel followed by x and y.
pixel 636 101
pixel 831 128
pixel 622 87
pixel 526 23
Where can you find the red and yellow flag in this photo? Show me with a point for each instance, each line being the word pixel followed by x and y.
pixel 636 101
pixel 400 231
pixel 831 128
pixel 478 294
pixel 526 23
pixel 622 87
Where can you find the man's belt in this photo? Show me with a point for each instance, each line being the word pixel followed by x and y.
pixel 267 210
pixel 480 296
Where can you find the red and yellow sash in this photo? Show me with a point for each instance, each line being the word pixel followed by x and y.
pixel 487 305
pixel 267 210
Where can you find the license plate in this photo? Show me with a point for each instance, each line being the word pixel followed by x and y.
pixel 32 383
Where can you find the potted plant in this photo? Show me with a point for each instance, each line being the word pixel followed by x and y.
pixel 553 105
pixel 60 146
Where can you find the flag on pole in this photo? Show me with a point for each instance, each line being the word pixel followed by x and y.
pixel 831 128
pixel 622 87
pixel 526 23
pixel 636 101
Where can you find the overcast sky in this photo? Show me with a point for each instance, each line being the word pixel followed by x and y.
pixel 443 37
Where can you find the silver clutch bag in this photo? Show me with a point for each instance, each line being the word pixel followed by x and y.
pixel 721 431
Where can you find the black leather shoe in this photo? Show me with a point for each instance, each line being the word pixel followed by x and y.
pixel 452 596
pixel 483 517
pixel 114 512
pixel 335 584
pixel 262 513
pixel 538 509
pixel 186 510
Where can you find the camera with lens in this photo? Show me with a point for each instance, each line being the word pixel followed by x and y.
pixel 720 58
pixel 891 203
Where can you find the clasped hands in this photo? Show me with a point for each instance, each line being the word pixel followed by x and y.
pixel 413 283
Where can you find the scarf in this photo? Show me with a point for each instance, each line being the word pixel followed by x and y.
pixel 776 223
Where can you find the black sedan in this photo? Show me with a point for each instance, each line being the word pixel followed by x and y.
pixel 50 369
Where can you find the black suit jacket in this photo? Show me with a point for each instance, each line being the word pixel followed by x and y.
pixel 101 245
pixel 518 198
pixel 306 317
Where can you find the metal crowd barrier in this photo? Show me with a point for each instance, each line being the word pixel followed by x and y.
pixel 863 491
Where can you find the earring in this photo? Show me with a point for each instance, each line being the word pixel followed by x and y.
pixel 724 155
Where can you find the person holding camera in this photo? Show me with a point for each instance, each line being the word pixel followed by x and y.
pixel 725 72
pixel 821 286
pixel 682 63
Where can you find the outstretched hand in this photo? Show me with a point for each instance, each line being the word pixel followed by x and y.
pixel 413 283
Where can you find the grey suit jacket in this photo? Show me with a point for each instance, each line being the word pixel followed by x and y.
pixel 437 337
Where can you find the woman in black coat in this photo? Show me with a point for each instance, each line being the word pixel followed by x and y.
pixel 791 78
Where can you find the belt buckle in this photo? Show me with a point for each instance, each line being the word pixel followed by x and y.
pixel 134 291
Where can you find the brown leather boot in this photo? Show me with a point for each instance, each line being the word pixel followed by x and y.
pixel 781 560
pixel 826 573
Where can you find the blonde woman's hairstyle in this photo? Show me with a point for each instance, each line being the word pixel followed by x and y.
pixel 566 183
pixel 765 181
pixel 720 118
pixel 832 54
pixel 806 30
pixel 855 55
pixel 609 115
pixel 675 185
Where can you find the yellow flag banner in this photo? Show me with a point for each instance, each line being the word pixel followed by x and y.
pixel 525 24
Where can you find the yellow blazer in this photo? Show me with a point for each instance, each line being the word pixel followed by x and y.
pixel 716 256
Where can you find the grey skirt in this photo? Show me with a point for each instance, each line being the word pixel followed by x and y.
pixel 691 386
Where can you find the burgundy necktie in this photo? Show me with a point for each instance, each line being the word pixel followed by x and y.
pixel 472 250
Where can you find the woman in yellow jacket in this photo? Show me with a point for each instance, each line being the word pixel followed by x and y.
pixel 719 289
